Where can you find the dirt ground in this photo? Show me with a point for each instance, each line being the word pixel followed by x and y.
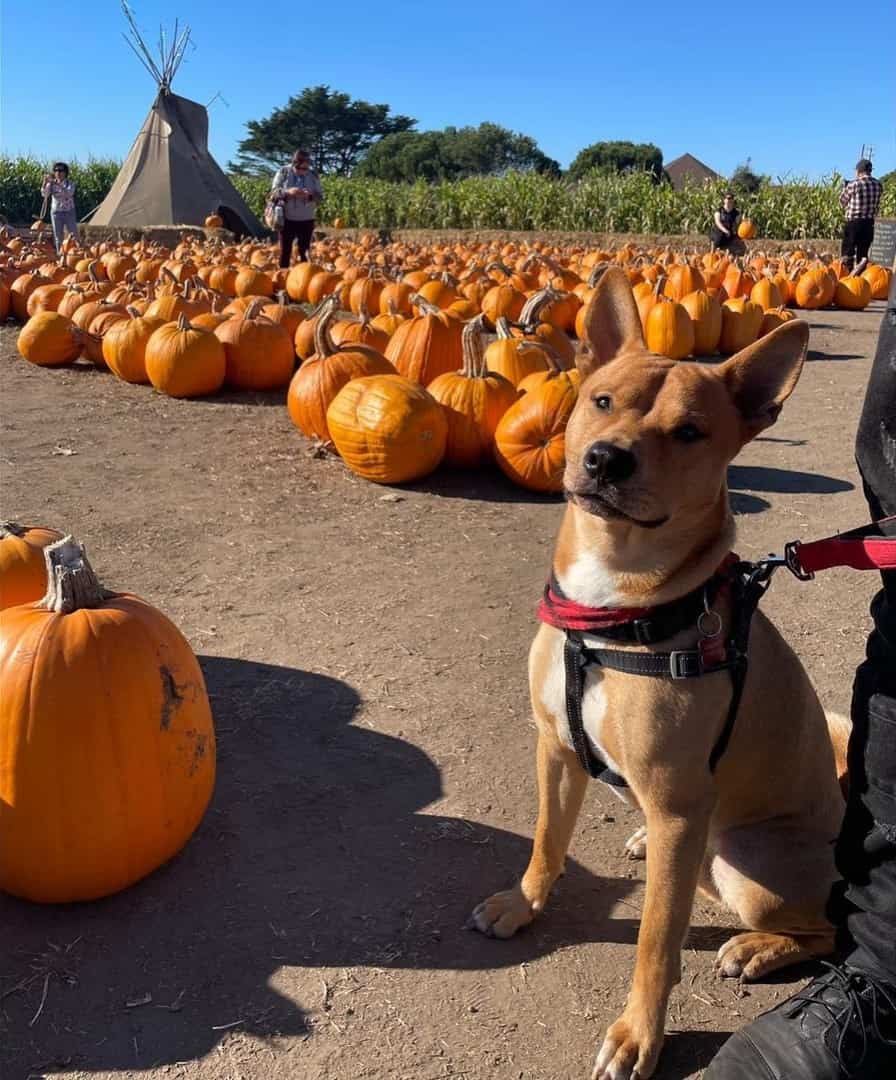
pixel 365 652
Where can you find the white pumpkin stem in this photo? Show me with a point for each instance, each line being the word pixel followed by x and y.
pixel 474 350
pixel 11 528
pixel 426 308
pixel 72 583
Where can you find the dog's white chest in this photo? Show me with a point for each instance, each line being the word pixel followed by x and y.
pixel 552 693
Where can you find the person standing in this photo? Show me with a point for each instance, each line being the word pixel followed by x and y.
pixel 61 191
pixel 860 198
pixel 724 231
pixel 298 188
pixel 842 1025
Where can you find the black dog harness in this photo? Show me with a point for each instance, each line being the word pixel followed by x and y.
pixel 872 547
pixel 746 583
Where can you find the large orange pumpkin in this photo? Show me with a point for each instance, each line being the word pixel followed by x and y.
pixel 741 321
pixel 50 340
pixel 184 360
pixel 388 429
pixel 124 346
pixel 323 375
pixel 814 289
pixel 23 568
pixel 101 689
pixel 530 440
pixel 706 315
pixel 474 400
pixel 259 352
pixel 879 278
pixel 852 292
pixel 427 345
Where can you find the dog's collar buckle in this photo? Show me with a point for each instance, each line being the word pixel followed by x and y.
pixel 685 664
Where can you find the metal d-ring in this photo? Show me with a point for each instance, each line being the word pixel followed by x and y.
pixel 706 617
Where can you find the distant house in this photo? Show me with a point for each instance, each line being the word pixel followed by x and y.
pixel 688 170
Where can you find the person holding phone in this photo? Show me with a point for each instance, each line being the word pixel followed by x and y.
pixel 298 188
pixel 860 199
pixel 61 191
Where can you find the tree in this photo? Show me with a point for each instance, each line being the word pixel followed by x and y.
pixel 744 180
pixel 618 157
pixel 453 153
pixel 336 130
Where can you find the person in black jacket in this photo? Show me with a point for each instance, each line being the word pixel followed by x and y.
pixel 842 1025
pixel 724 231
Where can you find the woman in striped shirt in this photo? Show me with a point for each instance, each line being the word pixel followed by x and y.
pixel 61 191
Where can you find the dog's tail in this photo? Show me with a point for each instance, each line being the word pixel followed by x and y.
pixel 839 728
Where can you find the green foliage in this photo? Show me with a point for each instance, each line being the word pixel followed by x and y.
pixel 336 130
pixel 617 157
pixel 21 178
pixel 600 202
pixel 744 181
pixel 452 154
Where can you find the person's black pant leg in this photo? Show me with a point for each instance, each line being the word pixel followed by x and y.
pixel 864 238
pixel 863 906
pixel 287 235
pixel 304 232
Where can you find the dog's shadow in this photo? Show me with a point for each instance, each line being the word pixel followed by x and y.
pixel 313 855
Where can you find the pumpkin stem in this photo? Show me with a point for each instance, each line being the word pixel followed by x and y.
pixel 323 343
pixel 11 528
pixel 253 308
pixel 72 583
pixel 426 308
pixel 474 350
pixel 502 328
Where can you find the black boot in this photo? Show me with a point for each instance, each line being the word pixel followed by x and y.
pixel 842 1026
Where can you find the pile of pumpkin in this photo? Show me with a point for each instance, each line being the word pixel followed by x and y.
pixel 107 746
pixel 399 365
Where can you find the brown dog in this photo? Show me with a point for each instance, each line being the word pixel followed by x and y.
pixel 648 521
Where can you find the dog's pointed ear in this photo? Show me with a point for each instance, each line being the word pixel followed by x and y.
pixel 762 376
pixel 611 321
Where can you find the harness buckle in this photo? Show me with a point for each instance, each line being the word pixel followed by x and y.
pixel 682 664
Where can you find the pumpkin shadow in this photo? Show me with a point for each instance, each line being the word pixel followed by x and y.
pixel 487 484
pixel 314 854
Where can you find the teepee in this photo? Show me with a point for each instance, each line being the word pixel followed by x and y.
pixel 169 176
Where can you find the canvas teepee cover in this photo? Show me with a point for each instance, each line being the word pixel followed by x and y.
pixel 170 178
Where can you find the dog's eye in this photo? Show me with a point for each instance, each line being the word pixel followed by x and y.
pixel 604 402
pixel 688 433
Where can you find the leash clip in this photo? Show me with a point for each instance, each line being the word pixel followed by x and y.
pixel 793 564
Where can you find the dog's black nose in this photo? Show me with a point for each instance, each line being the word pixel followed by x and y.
pixel 609 463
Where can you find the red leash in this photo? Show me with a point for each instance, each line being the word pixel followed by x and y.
pixel 872 547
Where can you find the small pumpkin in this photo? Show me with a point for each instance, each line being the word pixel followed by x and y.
pixel 774 318
pixel 746 230
pixel 185 361
pixel 853 292
pixel 214 221
pixel 137 750
pixel 388 429
pixel 514 358
pixel 23 568
pixel 474 400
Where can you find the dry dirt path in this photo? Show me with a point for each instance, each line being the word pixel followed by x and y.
pixel 366 661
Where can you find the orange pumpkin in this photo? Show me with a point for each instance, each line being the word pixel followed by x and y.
pixel 185 361
pixel 879 278
pixel 137 752
pixel 766 294
pixel 669 331
pixel 530 440
pixel 853 292
pixel 124 346
pixel 814 289
pixel 741 320
pixel 50 340
pixel 427 345
pixel 774 318
pixel 746 230
pixel 258 352
pixel 474 400
pixel 706 315
pixel 323 375
pixel 388 429
pixel 514 358
pixel 23 568
pixel 502 301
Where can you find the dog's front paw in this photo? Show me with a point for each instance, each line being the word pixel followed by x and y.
pixel 503 914
pixel 629 1052
pixel 636 845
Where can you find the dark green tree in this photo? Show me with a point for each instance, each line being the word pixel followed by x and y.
pixel 335 129
pixel 451 154
pixel 618 157
pixel 744 181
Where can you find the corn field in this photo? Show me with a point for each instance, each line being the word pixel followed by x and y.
pixel 624 203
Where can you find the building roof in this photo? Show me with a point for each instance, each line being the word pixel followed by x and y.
pixel 688 169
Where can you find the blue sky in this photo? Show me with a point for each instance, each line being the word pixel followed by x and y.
pixel 797 88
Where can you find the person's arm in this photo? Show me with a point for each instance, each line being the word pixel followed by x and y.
pixel 46 187
pixel 279 180
pixel 717 218
pixel 315 193
pixel 845 195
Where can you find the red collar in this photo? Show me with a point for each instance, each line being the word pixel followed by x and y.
pixel 557 610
